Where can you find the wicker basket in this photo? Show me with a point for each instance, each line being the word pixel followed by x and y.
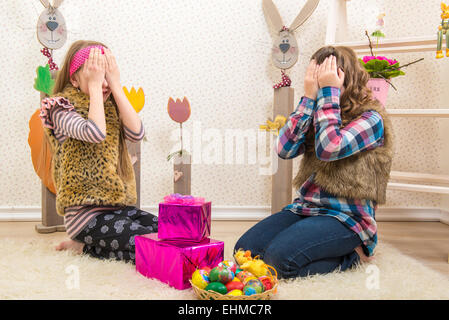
pixel 212 295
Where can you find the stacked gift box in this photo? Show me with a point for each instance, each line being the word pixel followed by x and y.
pixel 182 243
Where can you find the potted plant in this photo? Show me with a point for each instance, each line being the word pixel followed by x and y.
pixel 380 68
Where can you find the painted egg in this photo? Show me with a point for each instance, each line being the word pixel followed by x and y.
pixel 207 269
pixel 237 271
pixel 244 274
pixel 200 278
pixel 267 282
pixel 230 264
pixel 235 293
pixel 222 274
pixel 245 281
pixel 253 287
pixel 234 285
pixel 217 287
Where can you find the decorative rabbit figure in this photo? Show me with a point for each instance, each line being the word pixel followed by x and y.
pixel 443 31
pixel 285 51
pixel 51 27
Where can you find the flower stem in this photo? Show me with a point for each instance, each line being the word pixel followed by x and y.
pixel 370 45
pixel 181 139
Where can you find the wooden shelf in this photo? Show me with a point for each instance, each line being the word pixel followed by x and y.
pixel 411 44
pixel 418 188
pixel 419 177
pixel 430 113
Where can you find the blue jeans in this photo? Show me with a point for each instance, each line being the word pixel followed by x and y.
pixel 302 245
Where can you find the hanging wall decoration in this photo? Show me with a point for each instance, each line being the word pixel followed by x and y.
pixel 443 31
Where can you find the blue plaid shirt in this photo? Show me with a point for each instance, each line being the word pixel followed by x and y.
pixel 332 142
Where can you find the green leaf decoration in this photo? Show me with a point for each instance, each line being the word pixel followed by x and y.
pixel 376 65
pixel 381 69
pixel 171 155
pixel 378 34
pixel 44 83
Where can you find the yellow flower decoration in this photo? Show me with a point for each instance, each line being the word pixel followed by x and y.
pixel 274 126
pixel 137 99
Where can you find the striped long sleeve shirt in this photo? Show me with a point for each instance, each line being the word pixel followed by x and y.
pixel 332 143
pixel 59 115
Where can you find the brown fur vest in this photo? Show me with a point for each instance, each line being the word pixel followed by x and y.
pixel 86 173
pixel 363 175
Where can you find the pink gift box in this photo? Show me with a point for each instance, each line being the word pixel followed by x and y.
pixel 190 222
pixel 174 262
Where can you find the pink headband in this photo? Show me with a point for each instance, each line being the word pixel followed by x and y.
pixel 80 57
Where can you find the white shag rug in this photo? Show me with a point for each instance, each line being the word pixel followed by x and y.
pixel 34 270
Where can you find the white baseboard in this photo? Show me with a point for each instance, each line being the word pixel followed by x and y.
pixel 444 217
pixel 218 213
pixel 253 213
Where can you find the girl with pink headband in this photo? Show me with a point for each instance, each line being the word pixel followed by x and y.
pixel 86 123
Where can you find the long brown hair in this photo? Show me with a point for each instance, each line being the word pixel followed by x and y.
pixel 355 92
pixel 62 80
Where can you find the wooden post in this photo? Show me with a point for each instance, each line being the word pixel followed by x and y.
pixel 182 174
pixel 134 150
pixel 51 221
pixel 281 183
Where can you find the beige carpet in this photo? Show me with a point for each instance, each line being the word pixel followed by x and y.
pixel 34 270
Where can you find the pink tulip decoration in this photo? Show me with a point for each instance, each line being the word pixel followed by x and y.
pixel 179 111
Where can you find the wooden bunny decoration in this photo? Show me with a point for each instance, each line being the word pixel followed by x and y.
pixel 284 54
pixel 51 27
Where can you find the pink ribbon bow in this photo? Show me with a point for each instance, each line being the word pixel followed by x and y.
pixel 177 198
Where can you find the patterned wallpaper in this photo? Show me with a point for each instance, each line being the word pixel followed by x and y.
pixel 217 54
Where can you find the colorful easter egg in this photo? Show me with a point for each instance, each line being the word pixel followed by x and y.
pixel 243 274
pixel 237 271
pixel 200 278
pixel 267 282
pixel 217 287
pixel 230 264
pixel 245 281
pixel 235 293
pixel 207 269
pixel 222 274
pixel 234 285
pixel 253 287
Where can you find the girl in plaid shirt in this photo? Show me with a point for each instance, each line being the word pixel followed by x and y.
pixel 320 231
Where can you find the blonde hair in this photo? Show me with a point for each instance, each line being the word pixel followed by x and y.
pixel 62 80
pixel 356 92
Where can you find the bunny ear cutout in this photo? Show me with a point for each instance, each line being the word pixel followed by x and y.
pixel 57 3
pixel 45 3
pixel 272 15
pixel 304 14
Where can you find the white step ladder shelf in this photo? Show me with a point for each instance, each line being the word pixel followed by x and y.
pixel 419 177
pixel 400 45
pixel 418 188
pixel 428 113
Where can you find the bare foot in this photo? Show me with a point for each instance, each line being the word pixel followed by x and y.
pixel 363 257
pixel 70 245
